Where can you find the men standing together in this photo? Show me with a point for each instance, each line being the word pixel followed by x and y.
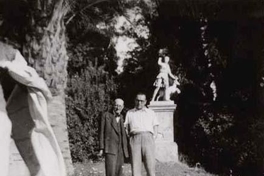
pixel 141 126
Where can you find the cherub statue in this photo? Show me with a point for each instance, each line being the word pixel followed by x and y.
pixel 162 79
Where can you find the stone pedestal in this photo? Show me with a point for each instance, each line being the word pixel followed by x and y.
pixel 166 149
pixel 17 165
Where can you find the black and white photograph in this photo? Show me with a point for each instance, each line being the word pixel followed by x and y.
pixel 132 87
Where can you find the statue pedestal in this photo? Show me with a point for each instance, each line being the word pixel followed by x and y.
pixel 17 165
pixel 166 149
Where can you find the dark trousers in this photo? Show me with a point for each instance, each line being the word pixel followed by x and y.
pixel 114 163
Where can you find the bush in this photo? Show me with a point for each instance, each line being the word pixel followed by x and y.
pixel 219 136
pixel 89 92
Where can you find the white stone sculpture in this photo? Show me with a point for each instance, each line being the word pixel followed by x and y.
pixel 162 80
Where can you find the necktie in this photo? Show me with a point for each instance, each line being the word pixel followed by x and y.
pixel 117 117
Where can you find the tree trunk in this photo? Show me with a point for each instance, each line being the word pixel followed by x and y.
pixel 46 52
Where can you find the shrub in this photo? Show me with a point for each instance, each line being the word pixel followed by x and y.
pixel 89 92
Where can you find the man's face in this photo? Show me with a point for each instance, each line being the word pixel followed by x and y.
pixel 118 106
pixel 140 101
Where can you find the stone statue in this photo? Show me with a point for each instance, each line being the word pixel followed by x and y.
pixel 162 80
pixel 24 114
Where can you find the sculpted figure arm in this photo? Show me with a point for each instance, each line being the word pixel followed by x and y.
pixel 160 61
pixel 26 75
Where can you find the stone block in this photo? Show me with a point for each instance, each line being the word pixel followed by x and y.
pixel 166 152
pixel 17 165
pixel 166 149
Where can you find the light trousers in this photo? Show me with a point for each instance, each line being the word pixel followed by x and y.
pixel 143 150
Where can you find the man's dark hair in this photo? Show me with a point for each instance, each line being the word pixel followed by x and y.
pixel 141 93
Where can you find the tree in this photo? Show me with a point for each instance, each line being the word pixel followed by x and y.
pixel 92 70
pixel 210 42
pixel 90 91
pixel 92 64
pixel 41 37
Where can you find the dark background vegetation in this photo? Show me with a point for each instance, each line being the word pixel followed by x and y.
pixel 222 135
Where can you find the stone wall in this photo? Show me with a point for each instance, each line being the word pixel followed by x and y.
pixel 59 124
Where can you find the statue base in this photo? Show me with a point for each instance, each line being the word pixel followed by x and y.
pixel 59 126
pixel 16 163
pixel 166 152
pixel 166 149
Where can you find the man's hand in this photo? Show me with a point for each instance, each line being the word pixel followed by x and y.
pixel 101 153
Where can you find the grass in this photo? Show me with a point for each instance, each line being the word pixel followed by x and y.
pixel 162 169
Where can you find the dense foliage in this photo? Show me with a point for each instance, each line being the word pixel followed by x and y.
pixel 92 80
pixel 220 128
pixel 90 92
pixel 218 120
pixel 211 44
pixel 91 85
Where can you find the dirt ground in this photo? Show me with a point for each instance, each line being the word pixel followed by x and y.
pixel 162 169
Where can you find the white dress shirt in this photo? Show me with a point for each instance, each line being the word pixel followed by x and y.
pixel 141 120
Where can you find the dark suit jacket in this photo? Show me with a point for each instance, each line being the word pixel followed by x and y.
pixel 109 134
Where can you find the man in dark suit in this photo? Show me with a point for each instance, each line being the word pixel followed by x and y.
pixel 113 139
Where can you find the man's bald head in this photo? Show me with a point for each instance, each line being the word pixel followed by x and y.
pixel 119 105
pixel 119 101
